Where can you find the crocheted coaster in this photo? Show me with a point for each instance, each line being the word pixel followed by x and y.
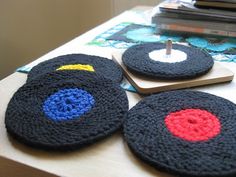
pixel 185 133
pixel 136 33
pixel 60 112
pixel 103 66
pixel 137 59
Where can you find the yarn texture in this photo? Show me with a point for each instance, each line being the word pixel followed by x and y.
pixel 76 67
pixel 137 60
pixel 186 133
pixel 193 124
pixel 66 110
pixel 103 66
pixel 67 104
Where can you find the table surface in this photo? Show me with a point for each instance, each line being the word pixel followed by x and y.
pixel 107 158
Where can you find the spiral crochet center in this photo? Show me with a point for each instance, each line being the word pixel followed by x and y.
pixel 193 124
pixel 68 104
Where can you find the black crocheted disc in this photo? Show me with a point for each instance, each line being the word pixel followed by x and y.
pixel 60 112
pixel 137 60
pixel 186 133
pixel 103 66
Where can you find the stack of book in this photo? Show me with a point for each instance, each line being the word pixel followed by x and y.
pixel 218 4
pixel 199 16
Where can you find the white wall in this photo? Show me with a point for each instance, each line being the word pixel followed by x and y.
pixel 31 28
pixel 121 5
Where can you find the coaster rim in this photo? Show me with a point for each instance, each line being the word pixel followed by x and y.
pixel 77 81
pixel 96 61
pixel 192 67
pixel 143 155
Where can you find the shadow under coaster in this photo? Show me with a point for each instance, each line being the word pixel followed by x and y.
pixel 147 85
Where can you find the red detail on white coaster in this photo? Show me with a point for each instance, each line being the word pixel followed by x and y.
pixel 193 124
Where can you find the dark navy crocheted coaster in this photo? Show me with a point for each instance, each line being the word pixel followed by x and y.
pixel 184 132
pixel 100 65
pixel 60 112
pixel 137 59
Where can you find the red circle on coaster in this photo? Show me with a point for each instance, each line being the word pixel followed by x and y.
pixel 193 124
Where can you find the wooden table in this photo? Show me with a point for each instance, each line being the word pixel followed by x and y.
pixel 108 158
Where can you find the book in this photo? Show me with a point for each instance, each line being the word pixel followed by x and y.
pixel 225 1
pixel 185 29
pixel 192 17
pixel 187 7
pixel 182 15
pixel 224 26
pixel 216 4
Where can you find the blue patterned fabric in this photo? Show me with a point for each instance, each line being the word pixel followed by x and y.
pixel 142 34
pixel 147 35
pixel 67 104
pixel 125 35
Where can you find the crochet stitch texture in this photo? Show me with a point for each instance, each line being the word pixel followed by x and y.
pixel 187 133
pixel 68 104
pixel 76 121
pixel 103 66
pixel 137 60
pixel 76 67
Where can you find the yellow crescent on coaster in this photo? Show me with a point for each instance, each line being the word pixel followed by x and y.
pixel 77 67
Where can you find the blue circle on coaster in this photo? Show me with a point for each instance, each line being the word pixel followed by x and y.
pixel 68 104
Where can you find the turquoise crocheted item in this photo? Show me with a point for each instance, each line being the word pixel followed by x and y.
pixel 212 44
pixel 125 35
pixel 148 35
pixel 142 34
